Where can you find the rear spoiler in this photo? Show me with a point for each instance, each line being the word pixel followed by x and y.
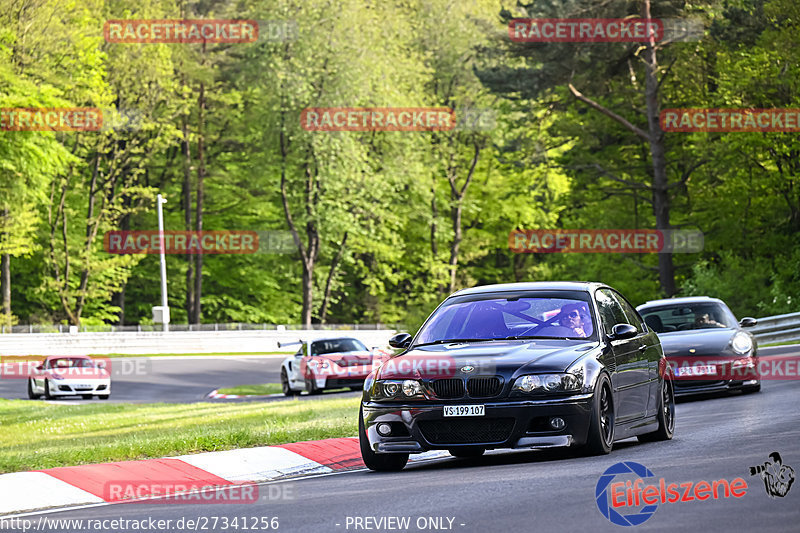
pixel 282 344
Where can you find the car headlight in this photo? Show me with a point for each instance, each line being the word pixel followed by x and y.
pixel 741 343
pixel 398 389
pixel 58 376
pixel 548 383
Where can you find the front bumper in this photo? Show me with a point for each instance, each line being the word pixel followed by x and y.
pixel 691 388
pixel 340 379
pixel 517 423
pixel 76 387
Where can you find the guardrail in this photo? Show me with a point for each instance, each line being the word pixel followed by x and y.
pixel 236 326
pixel 778 328
pixel 176 342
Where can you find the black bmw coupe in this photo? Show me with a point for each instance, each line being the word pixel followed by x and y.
pixel 523 365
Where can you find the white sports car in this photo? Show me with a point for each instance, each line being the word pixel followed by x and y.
pixel 326 364
pixel 73 375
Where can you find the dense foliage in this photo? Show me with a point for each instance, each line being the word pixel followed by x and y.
pixel 387 223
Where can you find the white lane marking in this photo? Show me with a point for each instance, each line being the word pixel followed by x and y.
pixel 271 482
pixel 254 464
pixel 19 489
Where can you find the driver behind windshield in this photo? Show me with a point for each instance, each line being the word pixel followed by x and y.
pixel 574 317
pixel 704 320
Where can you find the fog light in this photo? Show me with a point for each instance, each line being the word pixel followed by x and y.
pixel 384 429
pixel 557 423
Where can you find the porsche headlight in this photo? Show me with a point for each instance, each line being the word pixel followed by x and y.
pixel 741 343
pixel 548 383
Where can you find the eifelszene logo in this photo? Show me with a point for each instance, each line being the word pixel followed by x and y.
pixel 629 502
pixel 778 477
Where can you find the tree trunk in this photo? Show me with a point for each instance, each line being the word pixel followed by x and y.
pixel 654 137
pixel 6 277
pixel 323 312
pixel 457 197
pixel 661 201
pixel 434 218
pixel 455 215
pixel 308 292
pixel 186 202
pixel 118 298
pixel 201 171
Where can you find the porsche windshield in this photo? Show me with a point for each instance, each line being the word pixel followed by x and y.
pixel 336 346
pixel 687 316
pixel 504 318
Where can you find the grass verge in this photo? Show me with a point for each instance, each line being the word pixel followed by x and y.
pixel 773 344
pixel 256 390
pixel 39 435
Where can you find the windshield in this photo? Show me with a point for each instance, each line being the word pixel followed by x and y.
pixel 688 317
pixel 495 317
pixel 71 362
pixel 336 346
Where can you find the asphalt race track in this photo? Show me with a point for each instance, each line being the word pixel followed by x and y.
pixel 178 379
pixel 532 491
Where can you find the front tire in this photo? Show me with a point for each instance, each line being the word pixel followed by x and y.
pixel 311 387
pixel 666 415
pixel 600 439
pixel 46 394
pixel 285 387
pixel 32 395
pixel 379 462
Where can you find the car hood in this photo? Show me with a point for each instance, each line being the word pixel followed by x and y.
pixel 703 341
pixel 505 358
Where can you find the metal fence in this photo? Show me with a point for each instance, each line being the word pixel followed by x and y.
pixel 196 327
pixel 778 328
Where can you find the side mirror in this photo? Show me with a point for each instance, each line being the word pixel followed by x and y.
pixel 748 322
pixel 622 332
pixel 401 340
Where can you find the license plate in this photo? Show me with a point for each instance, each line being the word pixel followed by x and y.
pixel 699 370
pixel 463 410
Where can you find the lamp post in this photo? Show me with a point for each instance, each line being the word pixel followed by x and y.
pixel 162 252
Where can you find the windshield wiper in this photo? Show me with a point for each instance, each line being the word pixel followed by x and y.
pixel 520 337
pixel 453 341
